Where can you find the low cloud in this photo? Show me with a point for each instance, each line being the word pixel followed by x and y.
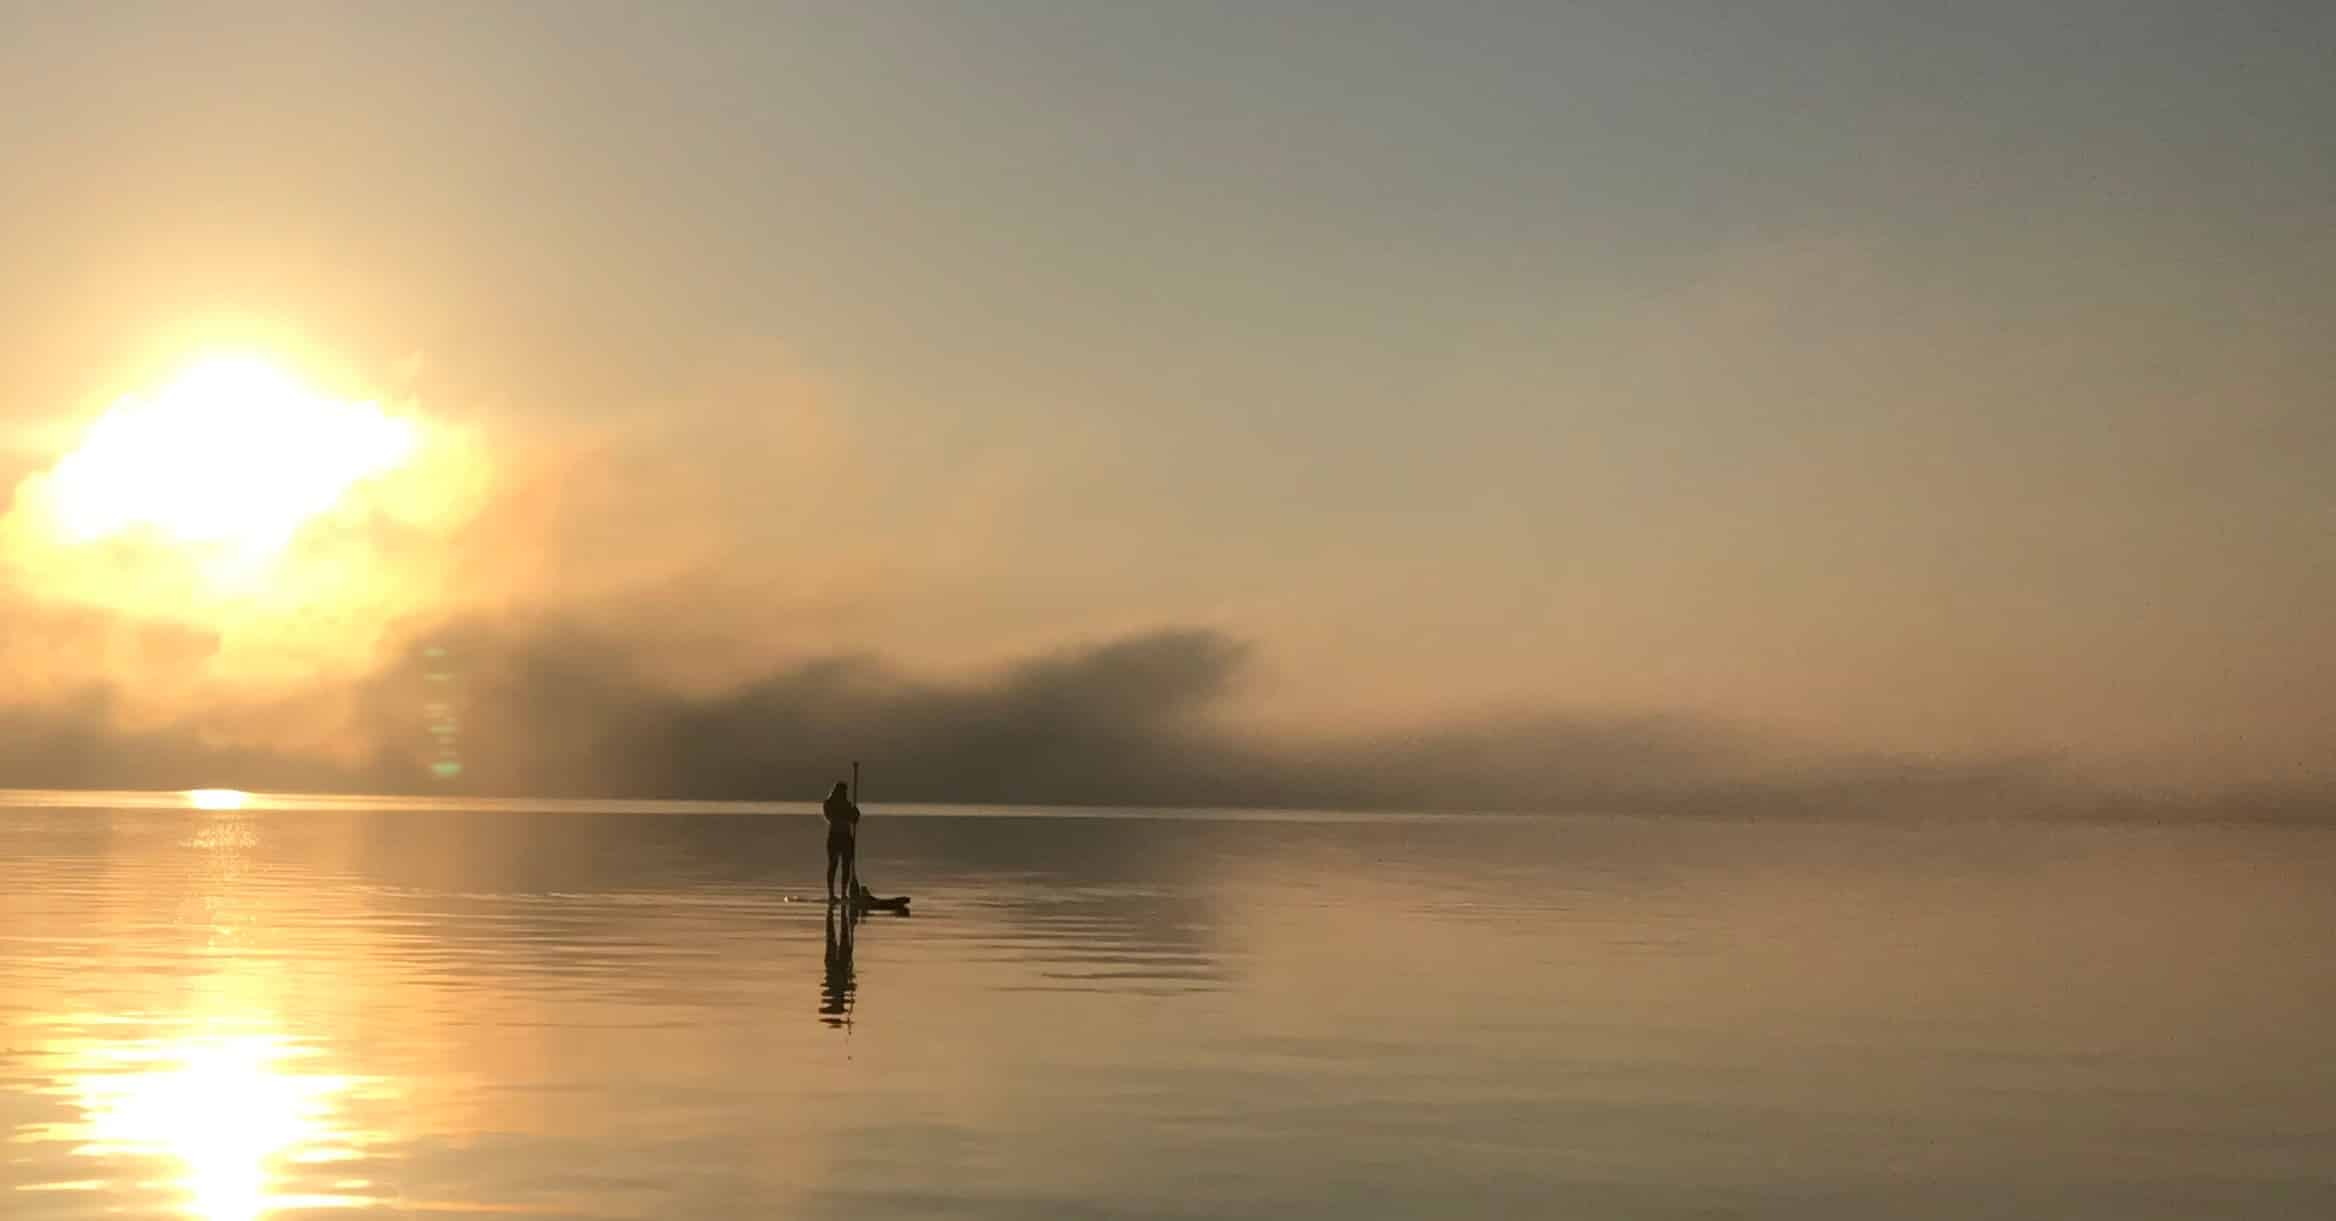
pixel 613 612
pixel 561 709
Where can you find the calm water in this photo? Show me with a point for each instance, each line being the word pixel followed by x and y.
pixel 578 1013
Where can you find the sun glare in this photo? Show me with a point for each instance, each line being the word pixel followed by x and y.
pixel 228 1109
pixel 232 453
pixel 286 522
pixel 218 799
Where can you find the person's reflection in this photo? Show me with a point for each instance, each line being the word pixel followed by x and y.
pixel 835 993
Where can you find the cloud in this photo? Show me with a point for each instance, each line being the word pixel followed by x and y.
pixel 81 741
pixel 565 708
pixel 557 708
pixel 719 602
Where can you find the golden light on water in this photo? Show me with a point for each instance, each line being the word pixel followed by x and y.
pixel 218 799
pixel 230 1110
pixel 232 452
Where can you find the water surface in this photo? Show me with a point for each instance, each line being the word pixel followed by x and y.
pixel 347 1008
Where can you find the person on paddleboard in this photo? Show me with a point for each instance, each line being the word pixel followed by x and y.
pixel 843 825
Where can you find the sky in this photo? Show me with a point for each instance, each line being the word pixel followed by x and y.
pixel 1837 389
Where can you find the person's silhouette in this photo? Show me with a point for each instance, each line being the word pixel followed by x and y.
pixel 843 826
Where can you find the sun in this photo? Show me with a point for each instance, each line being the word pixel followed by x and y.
pixel 231 454
pixel 241 522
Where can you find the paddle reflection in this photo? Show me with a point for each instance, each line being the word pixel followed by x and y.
pixel 837 990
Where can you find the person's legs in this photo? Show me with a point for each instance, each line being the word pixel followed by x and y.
pixel 835 857
pixel 851 862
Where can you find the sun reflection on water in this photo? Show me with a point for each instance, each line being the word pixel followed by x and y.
pixel 233 1110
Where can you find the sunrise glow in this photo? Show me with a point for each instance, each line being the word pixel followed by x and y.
pixel 232 452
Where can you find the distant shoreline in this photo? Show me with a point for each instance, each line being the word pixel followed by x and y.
pixel 220 801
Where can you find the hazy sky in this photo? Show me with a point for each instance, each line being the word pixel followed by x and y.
pixel 1949 378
